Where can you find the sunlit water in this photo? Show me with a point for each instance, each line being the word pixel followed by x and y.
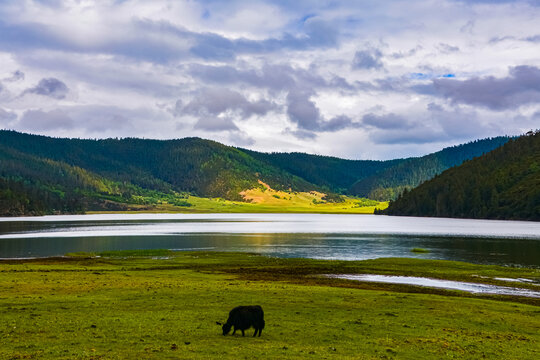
pixel 351 237
pixel 442 284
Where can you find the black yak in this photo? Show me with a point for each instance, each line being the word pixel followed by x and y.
pixel 244 317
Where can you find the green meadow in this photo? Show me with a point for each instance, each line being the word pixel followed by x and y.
pixel 261 201
pixel 164 305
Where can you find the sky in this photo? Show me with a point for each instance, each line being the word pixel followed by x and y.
pixel 365 79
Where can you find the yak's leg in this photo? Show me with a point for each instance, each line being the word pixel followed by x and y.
pixel 242 332
pixel 260 330
pixel 255 333
pixel 234 330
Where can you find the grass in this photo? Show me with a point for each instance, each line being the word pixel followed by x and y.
pixel 419 250
pixel 266 200
pixel 125 305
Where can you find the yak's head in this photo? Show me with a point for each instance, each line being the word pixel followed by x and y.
pixel 226 327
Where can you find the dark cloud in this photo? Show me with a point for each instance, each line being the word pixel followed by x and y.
pixel 447 49
pixel 534 38
pixel 386 121
pixel 520 87
pixel 276 77
pixel 99 119
pixel 240 138
pixel 6 116
pixel 457 123
pixel 16 76
pixel 50 87
pixel 421 135
pixel 114 76
pixel 434 107
pixel 303 112
pixel 438 124
pixel 215 101
pixel 369 58
pixel 213 124
pixel 211 46
pixel 498 39
pixel 163 42
pixel 410 52
pixel 301 134
pixel 38 120
pixel 177 108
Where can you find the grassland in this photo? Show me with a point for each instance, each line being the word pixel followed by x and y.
pixel 264 199
pixel 158 305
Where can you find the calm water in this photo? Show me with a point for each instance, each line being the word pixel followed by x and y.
pixel 286 235
pixel 443 284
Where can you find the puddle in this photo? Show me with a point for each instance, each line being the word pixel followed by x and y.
pixel 521 280
pixel 442 284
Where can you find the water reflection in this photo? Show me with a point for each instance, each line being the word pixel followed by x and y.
pixel 442 284
pixel 320 246
pixel 350 237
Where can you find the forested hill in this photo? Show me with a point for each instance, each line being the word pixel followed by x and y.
pixel 502 184
pixel 407 174
pixel 40 174
pixel 330 173
pixel 202 167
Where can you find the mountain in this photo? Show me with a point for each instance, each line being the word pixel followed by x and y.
pixel 502 184
pixel 330 173
pixel 203 167
pixel 42 174
pixel 389 183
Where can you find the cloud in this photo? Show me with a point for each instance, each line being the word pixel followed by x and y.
pixel 6 116
pixel 50 87
pixel 422 135
pixel 303 112
pixel 214 124
pixel 457 123
pixel 386 121
pixel 408 53
pixel 16 76
pixel 520 87
pixel 447 49
pixel 368 59
pixel 240 138
pixel 38 120
pixel 216 101
pixel 242 71
pixel 211 46
pixel 177 108
pixel 275 77
pixel 533 39
pixel 161 41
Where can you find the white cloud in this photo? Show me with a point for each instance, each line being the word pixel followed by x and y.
pixel 272 75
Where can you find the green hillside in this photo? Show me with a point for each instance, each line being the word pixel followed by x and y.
pixel 41 175
pixel 328 172
pixel 390 182
pixel 502 184
pixel 198 166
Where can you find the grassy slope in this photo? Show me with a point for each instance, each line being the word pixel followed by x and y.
pixel 125 308
pixel 289 202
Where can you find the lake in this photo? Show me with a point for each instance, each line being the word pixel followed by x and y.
pixel 321 236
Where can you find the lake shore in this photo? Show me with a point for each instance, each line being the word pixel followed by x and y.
pixel 162 304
